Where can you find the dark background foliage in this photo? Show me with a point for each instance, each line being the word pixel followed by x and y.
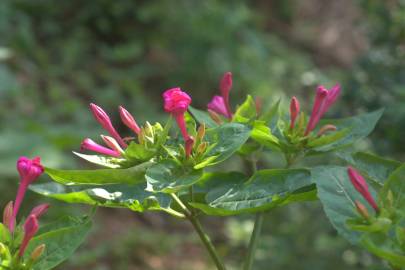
pixel 56 57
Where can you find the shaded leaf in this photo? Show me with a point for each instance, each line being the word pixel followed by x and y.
pixel 202 117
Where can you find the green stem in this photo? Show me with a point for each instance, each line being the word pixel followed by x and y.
pixel 203 236
pixel 254 241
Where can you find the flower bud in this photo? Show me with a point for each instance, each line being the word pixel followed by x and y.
pixel 217 104
pixel 214 116
pixel 39 210
pixel 101 116
pixel 225 87
pixel 321 94
pixel 128 120
pixel 189 146
pixel 259 105
pixel 112 143
pixel 37 252
pixel 202 147
pixel 361 186
pixel 89 144
pixel 326 128
pixel 294 111
pixel 362 210
pixel 8 214
pixel 201 132
pixel 31 227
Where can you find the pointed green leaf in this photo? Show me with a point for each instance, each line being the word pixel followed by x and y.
pixel 109 162
pixel 131 175
pixel 168 176
pixel 133 197
pixel 396 185
pixel 202 117
pixel 224 141
pixel 262 134
pixel 265 190
pixel 245 112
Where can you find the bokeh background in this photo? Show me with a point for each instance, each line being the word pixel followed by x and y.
pixel 58 56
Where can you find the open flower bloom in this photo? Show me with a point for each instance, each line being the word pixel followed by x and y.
pixel 361 186
pixel 176 102
pixel 101 116
pixel 217 104
pixel 29 171
pixel 324 99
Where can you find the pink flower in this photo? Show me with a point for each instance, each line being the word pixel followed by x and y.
pixel 176 102
pixel 225 87
pixel 29 171
pixel 39 210
pixel 129 120
pixel 294 111
pixel 101 116
pixel 361 186
pixel 89 144
pixel 333 94
pixel 112 143
pixel 321 94
pixel 217 104
pixel 31 227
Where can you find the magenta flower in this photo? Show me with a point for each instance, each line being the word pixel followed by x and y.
pixel 29 171
pixel 39 210
pixel 294 111
pixel 217 104
pixel 101 116
pixel 112 143
pixel 361 186
pixel 129 120
pixel 31 227
pixel 176 102
pixel 324 99
pixel 89 144
pixel 225 87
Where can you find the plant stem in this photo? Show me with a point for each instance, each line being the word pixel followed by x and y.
pixel 254 241
pixel 203 236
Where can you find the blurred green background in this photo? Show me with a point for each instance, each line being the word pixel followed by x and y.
pixel 58 56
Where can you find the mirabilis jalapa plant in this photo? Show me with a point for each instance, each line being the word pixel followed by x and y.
pixel 158 170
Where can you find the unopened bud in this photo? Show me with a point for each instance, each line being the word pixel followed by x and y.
pixel 259 105
pixel 202 147
pixel 201 132
pixel 38 251
pixel 112 143
pixel 214 116
pixel 362 210
pixel 189 146
pixel 294 111
pixel 325 129
pixel 8 214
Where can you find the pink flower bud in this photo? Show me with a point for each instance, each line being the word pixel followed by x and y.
pixel 333 94
pixel 8 214
pixel 189 146
pixel 225 87
pixel 361 186
pixel 112 143
pixel 362 210
pixel 39 210
pixel 89 144
pixel 259 105
pixel 321 94
pixel 326 128
pixel 37 252
pixel 29 171
pixel 129 120
pixel 217 105
pixel 101 116
pixel 176 101
pixel 214 116
pixel 31 227
pixel 294 111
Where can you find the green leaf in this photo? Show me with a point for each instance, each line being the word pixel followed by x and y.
pixel 60 244
pixel 133 197
pixel 202 117
pixel 383 247
pixel 109 162
pixel 262 134
pixel 139 152
pixel 131 175
pixel 374 167
pixel 396 184
pixel 337 196
pixel 224 141
pixel 5 235
pixel 265 190
pixel 245 112
pixel 168 176
pixel 271 117
pixel 348 131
